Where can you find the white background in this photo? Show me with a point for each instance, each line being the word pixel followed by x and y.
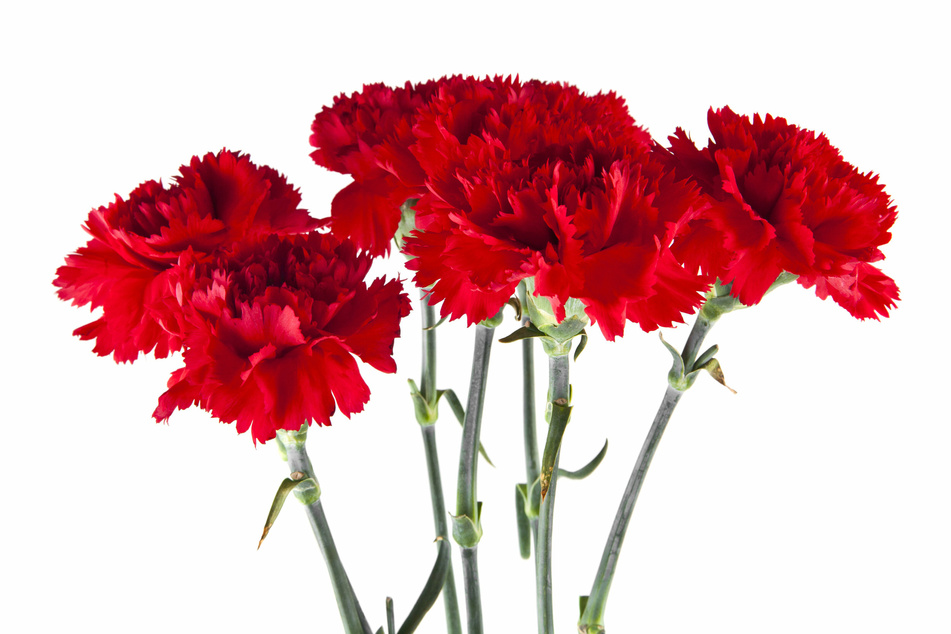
pixel 814 500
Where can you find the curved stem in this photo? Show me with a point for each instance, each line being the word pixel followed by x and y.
pixel 467 529
pixel 427 385
pixel 592 620
pixel 558 393
pixel 351 614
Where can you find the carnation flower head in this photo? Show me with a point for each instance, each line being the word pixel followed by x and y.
pixel 367 135
pixel 783 199
pixel 216 200
pixel 537 180
pixel 273 329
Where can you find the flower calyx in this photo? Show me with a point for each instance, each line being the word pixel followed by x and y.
pixel 681 378
pixel 720 299
pixel 555 335
pixel 719 302
pixel 407 224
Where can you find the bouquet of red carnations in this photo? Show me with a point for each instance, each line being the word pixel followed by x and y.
pixel 499 192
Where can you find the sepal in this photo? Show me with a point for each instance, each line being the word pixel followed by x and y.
pixel 407 224
pixel 558 334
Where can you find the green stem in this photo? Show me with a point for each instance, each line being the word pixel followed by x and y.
pixel 470 574
pixel 558 391
pixel 427 386
pixel 528 416
pixel 427 380
pixel 592 620
pixel 351 614
pixel 450 600
pixel 467 528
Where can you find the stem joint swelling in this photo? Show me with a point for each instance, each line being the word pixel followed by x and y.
pixel 467 531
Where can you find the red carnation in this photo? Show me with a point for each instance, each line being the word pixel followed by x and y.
pixel 783 199
pixel 273 329
pixel 368 135
pixel 216 201
pixel 538 179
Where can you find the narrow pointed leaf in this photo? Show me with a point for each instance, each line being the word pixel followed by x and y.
pixel 437 578
pixel 581 345
pixel 521 521
pixel 708 354
pixel 560 413
pixel 288 485
pixel 460 413
pixel 713 367
pixel 586 470
pixel 677 369
pixel 454 403
pixel 437 324
pixel 525 332
pixel 533 506
pixel 390 617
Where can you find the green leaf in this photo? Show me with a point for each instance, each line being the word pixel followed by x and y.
pixel 713 367
pixel 525 332
pixel 454 403
pixel 434 585
pixel 586 470
pixel 390 617
pixel 460 413
pixel 437 324
pixel 581 345
pixel 533 499
pixel 708 354
pixel 560 414
pixel 289 484
pixel 582 604
pixel 677 369
pixel 521 521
